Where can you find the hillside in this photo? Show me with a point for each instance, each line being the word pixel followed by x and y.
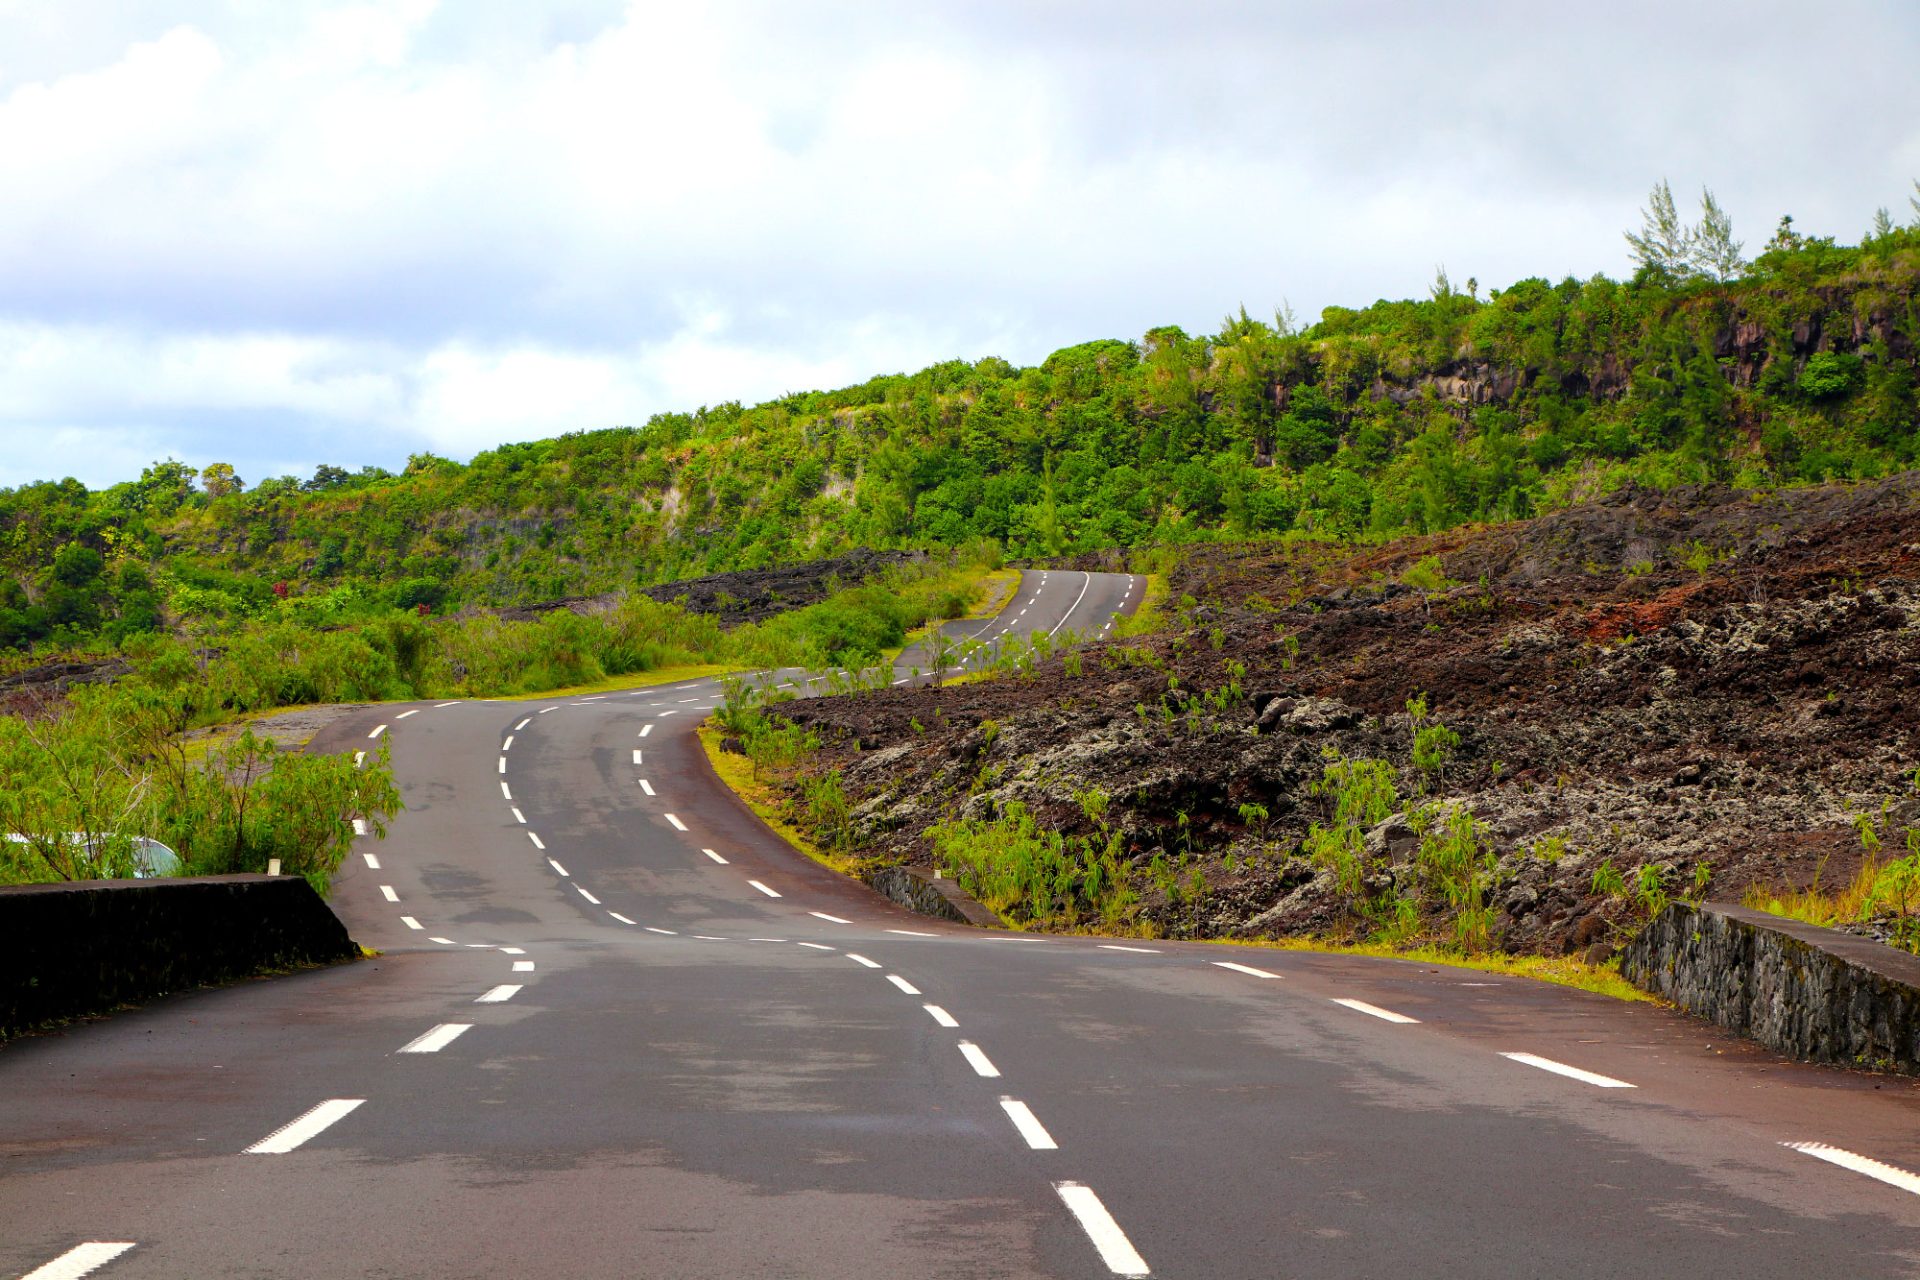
pixel 1398 418
pixel 1526 736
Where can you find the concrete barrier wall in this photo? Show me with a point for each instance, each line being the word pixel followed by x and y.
pixel 917 890
pixel 1817 994
pixel 93 945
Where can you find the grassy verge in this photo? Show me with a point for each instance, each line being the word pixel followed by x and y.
pixel 736 772
pixel 633 680
pixel 1602 980
pixel 1151 615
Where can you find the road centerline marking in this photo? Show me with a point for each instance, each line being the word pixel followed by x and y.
pixel 373 861
pixel 519 817
pixel 1245 968
pixel 1880 1170
pixel 523 966
pixel 771 893
pixel 535 837
pixel 903 984
pixel 669 932
pixel 816 946
pixel 436 1039
pixel 404 714
pixel 940 1015
pixel 523 724
pixel 81 1260
pixel 644 784
pixel 500 994
pixel 377 732
pixel 645 729
pixel 557 868
pixel 411 923
pixel 824 916
pixel 1572 1073
pixel 979 1061
pixel 913 933
pixel 386 891
pixel 1114 946
pixel 716 857
pixel 304 1127
pixel 1375 1011
pixel 582 891
pixel 677 824
pixel 622 919
pixel 862 961
pixel 1109 1241
pixel 1028 1124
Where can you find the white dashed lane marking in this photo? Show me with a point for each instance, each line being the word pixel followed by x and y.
pixel 903 984
pixel 377 732
pixel 305 1127
pixel 523 724
pixel 404 714
pixel 411 923
pixel 862 961
pixel 716 857
pixel 913 933
pixel 1114 946
pixel 503 791
pixel 437 1039
pixel 359 826
pixel 373 862
pixel 1572 1073
pixel 445 942
pixel 644 784
pixel 636 756
pixel 617 916
pixel 499 995
pixel 557 868
pixel 503 764
pixel 508 744
pixel 536 840
pixel 940 1015
pixel 677 824
pixel 1375 1011
pixel 1108 1239
pixel 771 893
pixel 979 1061
pixel 1245 968
pixel 824 916
pixel 1028 1124
pixel 816 946
pixel 670 933
pixel 81 1260
pixel 582 891
pixel 523 966
pixel 520 817
pixel 645 729
pixel 386 891
pixel 1892 1175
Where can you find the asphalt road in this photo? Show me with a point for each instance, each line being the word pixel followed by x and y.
pixel 618 1029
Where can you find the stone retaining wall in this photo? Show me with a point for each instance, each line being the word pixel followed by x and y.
pixel 93 945
pixel 916 889
pixel 1817 994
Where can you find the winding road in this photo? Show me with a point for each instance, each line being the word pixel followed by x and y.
pixel 617 1028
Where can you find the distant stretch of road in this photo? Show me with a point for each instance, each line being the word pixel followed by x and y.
pixel 617 1028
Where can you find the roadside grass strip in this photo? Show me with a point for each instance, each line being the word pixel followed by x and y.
pixel 81 1260
pixel 498 995
pixel 1879 1170
pixel 1375 1011
pixel 1572 1073
pixel 1245 968
pixel 437 1039
pixel 1028 1124
pixel 305 1127
pixel 1108 1239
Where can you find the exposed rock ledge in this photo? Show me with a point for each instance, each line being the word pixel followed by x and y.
pixel 1818 994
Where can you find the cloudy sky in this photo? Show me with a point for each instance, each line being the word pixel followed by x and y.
pixel 280 234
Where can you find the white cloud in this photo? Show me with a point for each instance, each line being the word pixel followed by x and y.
pixel 406 225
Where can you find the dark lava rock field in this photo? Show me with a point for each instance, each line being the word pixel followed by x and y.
pixel 1692 678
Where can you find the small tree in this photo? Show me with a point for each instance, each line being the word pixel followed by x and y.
pixel 219 480
pixel 1665 244
pixel 1716 254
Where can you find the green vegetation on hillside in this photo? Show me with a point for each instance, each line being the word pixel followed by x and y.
pixel 1401 416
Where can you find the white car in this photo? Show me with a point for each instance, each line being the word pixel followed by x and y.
pixel 150 857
